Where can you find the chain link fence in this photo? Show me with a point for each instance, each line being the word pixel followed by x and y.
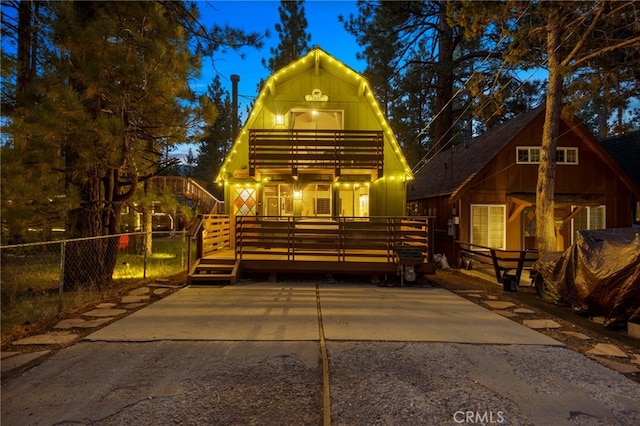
pixel 39 280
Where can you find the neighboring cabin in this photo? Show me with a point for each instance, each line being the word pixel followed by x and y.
pixel 483 191
pixel 315 144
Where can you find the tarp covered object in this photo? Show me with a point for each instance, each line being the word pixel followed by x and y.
pixel 599 274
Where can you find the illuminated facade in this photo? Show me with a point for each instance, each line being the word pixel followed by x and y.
pixel 315 144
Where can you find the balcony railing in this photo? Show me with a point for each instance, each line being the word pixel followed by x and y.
pixel 297 150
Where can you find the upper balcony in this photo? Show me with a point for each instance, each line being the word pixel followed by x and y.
pixel 296 149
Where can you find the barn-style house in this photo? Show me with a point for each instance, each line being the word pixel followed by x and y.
pixel 316 144
pixel 316 171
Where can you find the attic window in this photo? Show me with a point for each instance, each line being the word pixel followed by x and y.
pixel 531 155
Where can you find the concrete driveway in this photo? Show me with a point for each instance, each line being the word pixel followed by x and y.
pixel 252 354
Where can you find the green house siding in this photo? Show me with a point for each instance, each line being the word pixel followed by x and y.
pixel 316 82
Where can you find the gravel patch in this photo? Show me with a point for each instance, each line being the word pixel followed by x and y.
pixel 436 384
pixel 276 389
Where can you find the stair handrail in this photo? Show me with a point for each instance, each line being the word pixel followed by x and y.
pixel 191 189
pixel 211 202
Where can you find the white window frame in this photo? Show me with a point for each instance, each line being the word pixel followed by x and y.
pixel 503 244
pixel 529 150
pixel 564 149
pixel 587 209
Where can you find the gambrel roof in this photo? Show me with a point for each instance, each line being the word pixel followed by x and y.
pixel 341 86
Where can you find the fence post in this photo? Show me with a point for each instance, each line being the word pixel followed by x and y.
pixel 183 248
pixel 188 252
pixel 144 265
pixel 61 289
pixel 431 238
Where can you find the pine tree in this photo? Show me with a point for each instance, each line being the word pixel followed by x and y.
pixel 294 40
pixel 430 72
pixel 217 137
pixel 112 95
pixel 577 42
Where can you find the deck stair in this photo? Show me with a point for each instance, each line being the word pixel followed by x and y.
pixel 209 271
pixel 191 190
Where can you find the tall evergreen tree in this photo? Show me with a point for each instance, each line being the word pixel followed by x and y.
pixel 578 42
pixel 31 192
pixel 294 40
pixel 430 70
pixel 217 137
pixel 110 95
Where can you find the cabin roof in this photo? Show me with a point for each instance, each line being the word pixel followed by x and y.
pixel 442 176
pixel 625 150
pixel 314 61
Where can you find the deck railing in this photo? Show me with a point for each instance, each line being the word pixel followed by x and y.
pixel 214 234
pixel 336 237
pixel 190 189
pixel 320 149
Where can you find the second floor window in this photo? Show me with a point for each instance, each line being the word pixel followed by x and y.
pixel 531 155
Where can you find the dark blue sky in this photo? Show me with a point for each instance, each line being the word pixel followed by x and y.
pixel 251 15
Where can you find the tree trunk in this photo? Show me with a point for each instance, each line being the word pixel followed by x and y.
pixel 86 261
pixel 89 263
pixel 26 46
pixel 442 130
pixel 545 218
pixel 147 223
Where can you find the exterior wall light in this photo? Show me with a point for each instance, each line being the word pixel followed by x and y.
pixel 279 120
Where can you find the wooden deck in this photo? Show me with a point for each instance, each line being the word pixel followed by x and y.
pixel 310 245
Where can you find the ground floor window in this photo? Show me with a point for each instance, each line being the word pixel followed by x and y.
pixel 244 201
pixel 353 200
pixel 588 218
pixel 316 199
pixel 488 225
pixel 278 200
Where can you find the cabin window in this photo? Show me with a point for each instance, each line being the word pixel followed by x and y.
pixel 317 119
pixel 244 201
pixel 588 218
pixel 488 225
pixel 353 200
pixel 278 200
pixel 528 155
pixel 316 200
pixel 567 156
pixel 531 155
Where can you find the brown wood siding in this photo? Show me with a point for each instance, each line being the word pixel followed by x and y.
pixel 591 177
